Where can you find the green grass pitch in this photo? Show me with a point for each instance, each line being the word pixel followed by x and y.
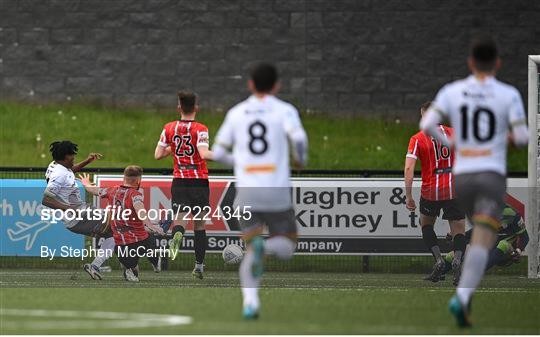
pixel 292 303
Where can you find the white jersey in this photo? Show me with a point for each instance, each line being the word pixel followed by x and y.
pixel 481 113
pixel 258 131
pixel 62 185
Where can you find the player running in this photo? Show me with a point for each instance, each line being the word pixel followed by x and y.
pixel 62 193
pixel 482 110
pixel 129 235
pixel 437 193
pixel 187 142
pixel 512 239
pixel 258 131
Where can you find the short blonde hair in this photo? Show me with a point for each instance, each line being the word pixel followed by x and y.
pixel 133 171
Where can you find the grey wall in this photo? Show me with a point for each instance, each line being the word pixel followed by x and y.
pixel 349 57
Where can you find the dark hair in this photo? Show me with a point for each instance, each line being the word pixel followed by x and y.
pixel 264 77
pixel 187 100
pixel 60 149
pixel 133 171
pixel 484 53
pixel 425 106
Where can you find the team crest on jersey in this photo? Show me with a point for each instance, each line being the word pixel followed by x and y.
pixel 203 137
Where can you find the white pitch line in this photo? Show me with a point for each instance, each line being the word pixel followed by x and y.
pixel 113 320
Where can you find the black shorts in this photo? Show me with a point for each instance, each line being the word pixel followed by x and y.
pixel 451 209
pixel 188 193
pixel 129 255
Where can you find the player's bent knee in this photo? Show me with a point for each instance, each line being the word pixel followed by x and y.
pixel 281 247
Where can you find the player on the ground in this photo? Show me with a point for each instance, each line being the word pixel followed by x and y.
pixel 258 131
pixel 437 193
pixel 130 235
pixel 512 239
pixel 62 193
pixel 187 142
pixel 481 110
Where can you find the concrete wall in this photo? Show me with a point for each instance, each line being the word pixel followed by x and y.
pixel 344 57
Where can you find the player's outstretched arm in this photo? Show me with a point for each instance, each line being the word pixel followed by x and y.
pixel 408 173
pixel 162 151
pixel 91 157
pixel 89 186
pixel 299 143
pixel 205 152
pixel 517 119
pixel 430 125
pixel 519 135
pixel 221 154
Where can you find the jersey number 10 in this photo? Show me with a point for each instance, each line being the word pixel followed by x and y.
pixel 477 114
pixel 441 151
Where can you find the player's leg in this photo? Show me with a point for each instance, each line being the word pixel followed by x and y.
pixel 127 256
pixel 456 220
pixel 500 254
pixel 155 258
pixel 448 258
pixel 201 197
pixel 95 228
pixel 251 267
pixel 104 252
pixel 283 233
pixel 485 192
pixel 199 237
pixel 429 211
pixel 457 228
pixel 178 200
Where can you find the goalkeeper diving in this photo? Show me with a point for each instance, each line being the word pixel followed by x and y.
pixel 512 239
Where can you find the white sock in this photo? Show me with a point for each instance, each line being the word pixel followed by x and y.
pixel 251 297
pixel 474 266
pixel 250 284
pixel 280 246
pixel 104 252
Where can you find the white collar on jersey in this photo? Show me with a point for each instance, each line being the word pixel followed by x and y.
pixel 487 79
pixel 255 99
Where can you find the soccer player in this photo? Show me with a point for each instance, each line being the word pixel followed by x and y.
pixel 187 142
pixel 437 193
pixel 258 131
pixel 512 239
pixel 130 235
pixel 482 110
pixel 62 193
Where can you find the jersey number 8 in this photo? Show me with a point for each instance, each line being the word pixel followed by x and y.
pixel 257 143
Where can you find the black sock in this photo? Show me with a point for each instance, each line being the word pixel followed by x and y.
pixel 430 239
pixel 178 229
pixel 459 246
pixel 200 245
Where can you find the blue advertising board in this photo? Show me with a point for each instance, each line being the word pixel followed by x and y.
pixel 22 231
